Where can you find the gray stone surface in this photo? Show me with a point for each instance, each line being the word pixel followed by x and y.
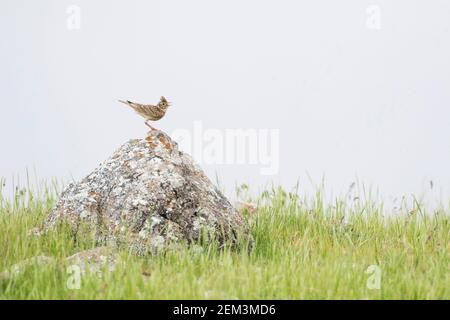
pixel 148 195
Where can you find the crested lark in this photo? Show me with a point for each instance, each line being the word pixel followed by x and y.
pixel 149 111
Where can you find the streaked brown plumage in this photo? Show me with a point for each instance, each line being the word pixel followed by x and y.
pixel 149 111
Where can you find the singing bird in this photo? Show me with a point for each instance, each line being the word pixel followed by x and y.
pixel 149 111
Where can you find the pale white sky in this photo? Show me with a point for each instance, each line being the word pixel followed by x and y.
pixel 348 101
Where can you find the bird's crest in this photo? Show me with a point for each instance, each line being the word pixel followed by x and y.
pixel 163 102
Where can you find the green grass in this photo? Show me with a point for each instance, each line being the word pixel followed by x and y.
pixel 303 249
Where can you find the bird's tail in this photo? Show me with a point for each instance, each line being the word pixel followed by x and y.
pixel 128 103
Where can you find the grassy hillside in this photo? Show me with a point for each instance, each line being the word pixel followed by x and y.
pixel 303 250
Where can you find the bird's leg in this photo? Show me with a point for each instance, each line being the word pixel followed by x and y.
pixel 148 125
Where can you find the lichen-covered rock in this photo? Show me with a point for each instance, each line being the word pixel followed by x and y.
pixel 148 195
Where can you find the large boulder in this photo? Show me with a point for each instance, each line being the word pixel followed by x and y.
pixel 148 195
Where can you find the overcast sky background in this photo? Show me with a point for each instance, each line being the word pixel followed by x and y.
pixel 349 101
